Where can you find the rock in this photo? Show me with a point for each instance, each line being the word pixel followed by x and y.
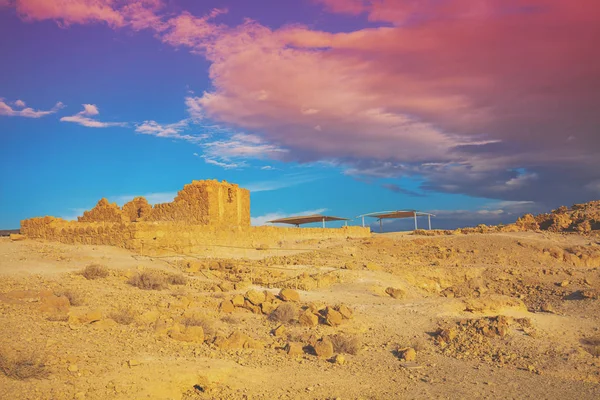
pixel 254 308
pixel 237 340
pixel 255 297
pixel 395 293
pixel 194 334
pixel 547 307
pixel 407 354
pixel 267 307
pixel 294 349
pixel 226 286
pixel 91 317
pixel 307 318
pixel 332 317
pixel 15 237
pixel 324 348
pixel 238 300
pixel 149 317
pixel 226 306
pixel 133 363
pixel 316 307
pixel 279 331
pixel 339 359
pixel 345 311
pixel 269 297
pixel 54 305
pixel 73 368
pixel 289 295
pixel 564 283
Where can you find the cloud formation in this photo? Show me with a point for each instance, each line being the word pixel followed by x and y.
pixel 495 98
pixel 20 109
pixel 84 118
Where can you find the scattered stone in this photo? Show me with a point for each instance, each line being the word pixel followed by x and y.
pixel 324 348
pixel 280 331
pixel 294 349
pixel 15 237
pixel 238 300
pixel 269 297
pixel 255 297
pixel 316 307
pixel 73 368
pixel 268 307
pixel 289 295
pixel 339 359
pixel 547 307
pixel 133 363
pixel 226 286
pixel 227 306
pixel 332 317
pixel 254 308
pixel 194 334
pixel 407 354
pixel 307 318
pixel 395 293
pixel 564 283
pixel 237 340
pixel 345 311
pixel 54 305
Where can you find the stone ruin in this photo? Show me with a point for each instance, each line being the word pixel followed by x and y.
pixel 204 213
pixel 200 203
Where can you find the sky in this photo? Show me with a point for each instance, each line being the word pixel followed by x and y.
pixel 475 110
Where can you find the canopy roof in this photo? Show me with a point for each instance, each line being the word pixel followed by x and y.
pixel 396 214
pixel 306 219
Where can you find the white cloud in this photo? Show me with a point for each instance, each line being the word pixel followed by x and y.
pixel 83 118
pixel 21 111
pixel 282 182
pixel 263 219
pixel 73 214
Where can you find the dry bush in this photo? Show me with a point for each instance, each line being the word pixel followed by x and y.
pixel 76 298
pixel 286 312
pixel 22 365
pixel 342 343
pixel 231 319
pixel 592 345
pixel 176 279
pixel 123 316
pixel 148 280
pixel 95 271
pixel 208 325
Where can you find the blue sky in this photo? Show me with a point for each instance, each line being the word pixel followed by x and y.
pixel 287 101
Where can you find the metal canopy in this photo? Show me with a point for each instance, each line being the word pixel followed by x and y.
pixel 397 214
pixel 307 219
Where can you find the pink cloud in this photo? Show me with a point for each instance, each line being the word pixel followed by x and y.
pixel 20 110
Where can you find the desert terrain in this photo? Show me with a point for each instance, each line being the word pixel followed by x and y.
pixel 477 315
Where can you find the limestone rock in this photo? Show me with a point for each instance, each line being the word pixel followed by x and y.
pixel 289 295
pixel 237 340
pixel 345 311
pixel 249 306
pixel 54 305
pixel 193 334
pixel 255 297
pixel 294 349
pixel 339 359
pixel 267 307
pixel 395 293
pixel 280 331
pixel 238 300
pixel 333 317
pixel 227 306
pixel 407 354
pixel 324 348
pixel 307 318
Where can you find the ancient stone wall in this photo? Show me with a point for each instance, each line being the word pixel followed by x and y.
pixel 164 238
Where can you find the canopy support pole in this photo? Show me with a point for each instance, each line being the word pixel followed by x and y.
pixel 363 218
pixel 415 213
pixel 380 225
pixel 323 222
pixel 429 220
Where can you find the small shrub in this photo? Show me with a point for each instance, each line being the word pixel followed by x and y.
pixel 230 319
pixel 208 326
pixel 76 299
pixel 148 280
pixel 286 312
pixel 348 344
pixel 95 271
pixel 176 279
pixel 123 316
pixel 21 366
pixel 592 345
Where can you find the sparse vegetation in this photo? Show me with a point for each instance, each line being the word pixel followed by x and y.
pixel 76 298
pixel 148 280
pixel 95 271
pixel 123 316
pixel 285 313
pixel 176 279
pixel 22 365
pixel 208 325
pixel 592 345
pixel 344 343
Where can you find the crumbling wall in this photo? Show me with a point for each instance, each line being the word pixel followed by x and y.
pixel 175 237
pixel 103 212
pixel 137 209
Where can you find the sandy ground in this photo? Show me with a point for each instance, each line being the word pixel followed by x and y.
pixel 450 292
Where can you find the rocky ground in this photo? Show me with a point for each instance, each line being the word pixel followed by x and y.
pixel 493 315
